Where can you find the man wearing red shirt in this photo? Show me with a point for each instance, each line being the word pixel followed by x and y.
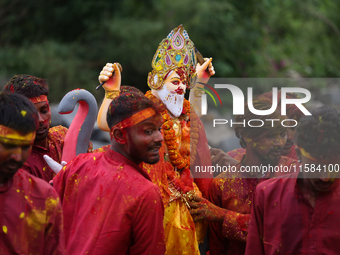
pixel 30 211
pixel 110 204
pixel 300 214
pixel 48 141
pixel 231 191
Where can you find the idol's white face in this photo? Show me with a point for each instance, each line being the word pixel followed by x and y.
pixel 174 83
pixel 172 93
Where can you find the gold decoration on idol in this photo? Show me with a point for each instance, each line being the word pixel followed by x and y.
pixel 178 194
pixel 175 51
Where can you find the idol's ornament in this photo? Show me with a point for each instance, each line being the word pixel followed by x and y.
pixel 175 51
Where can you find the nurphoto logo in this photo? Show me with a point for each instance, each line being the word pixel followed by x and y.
pixel 239 104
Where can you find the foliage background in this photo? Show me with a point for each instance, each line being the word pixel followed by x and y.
pixel 69 41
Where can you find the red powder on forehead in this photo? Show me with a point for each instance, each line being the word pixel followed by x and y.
pixel 166 76
pixel 181 73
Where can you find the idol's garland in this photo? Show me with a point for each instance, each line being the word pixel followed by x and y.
pixel 176 53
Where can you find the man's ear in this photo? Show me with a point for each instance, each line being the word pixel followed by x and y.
pixel 298 154
pixel 119 135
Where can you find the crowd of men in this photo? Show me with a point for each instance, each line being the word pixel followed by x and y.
pixel 138 195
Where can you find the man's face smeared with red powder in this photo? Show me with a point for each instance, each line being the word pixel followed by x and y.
pixel 12 157
pixel 173 91
pixel 269 148
pixel 44 113
pixel 144 140
pixel 14 150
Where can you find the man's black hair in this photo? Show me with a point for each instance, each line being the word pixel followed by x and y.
pixel 18 113
pixel 319 134
pixel 27 85
pixel 127 104
pixel 127 89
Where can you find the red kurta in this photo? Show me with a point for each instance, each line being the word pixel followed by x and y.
pixel 234 191
pixel 30 217
pixel 110 206
pixel 284 222
pixel 181 233
pixel 36 165
pixel 238 153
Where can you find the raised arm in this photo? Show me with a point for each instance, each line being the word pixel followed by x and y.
pixel 204 72
pixel 111 75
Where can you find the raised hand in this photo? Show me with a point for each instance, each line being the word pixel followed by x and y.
pixel 205 71
pixel 111 75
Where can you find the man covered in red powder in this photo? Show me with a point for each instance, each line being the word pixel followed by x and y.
pixel 293 113
pixel 48 141
pixel 174 70
pixel 231 191
pixel 30 211
pixel 300 214
pixel 110 204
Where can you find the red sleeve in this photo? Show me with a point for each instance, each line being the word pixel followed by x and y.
pixel 255 235
pixel 148 232
pixel 235 225
pixel 54 243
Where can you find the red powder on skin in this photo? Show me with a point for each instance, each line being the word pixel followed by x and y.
pixel 179 91
pixel 180 72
